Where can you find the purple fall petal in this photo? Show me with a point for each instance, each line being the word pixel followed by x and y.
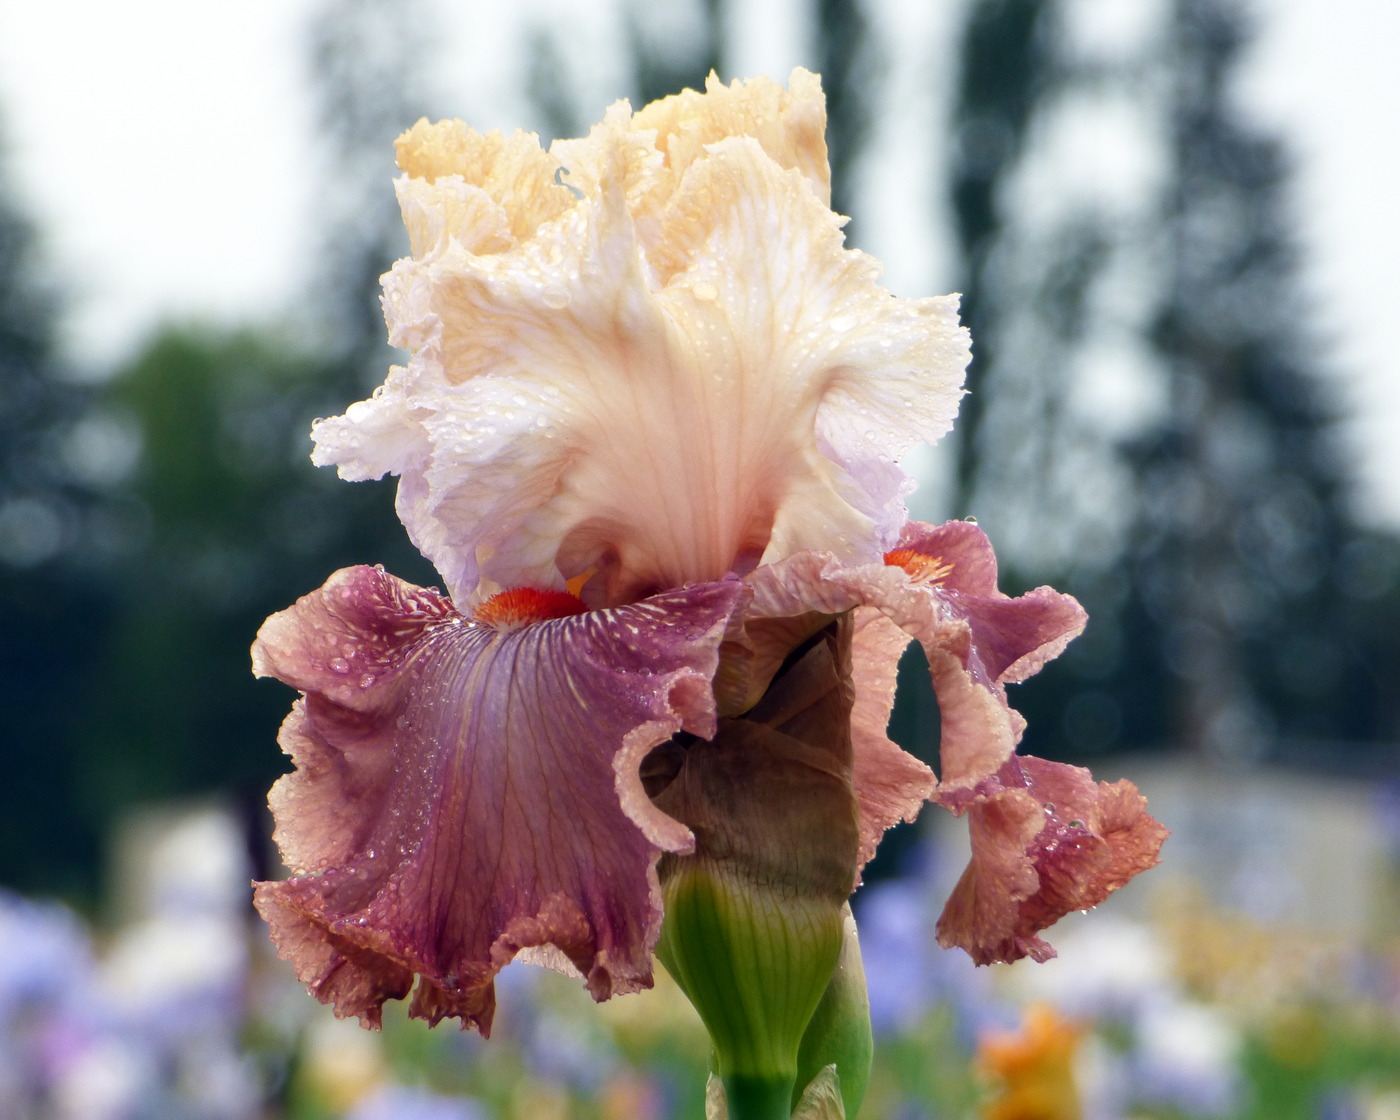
pixel 462 794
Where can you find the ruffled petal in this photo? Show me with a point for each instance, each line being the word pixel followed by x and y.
pixel 675 375
pixel 463 793
pixel 891 785
pixel 980 641
pixel 976 638
pixel 790 124
pixel 513 173
pixel 1047 841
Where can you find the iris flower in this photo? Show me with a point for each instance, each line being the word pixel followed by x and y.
pixel 648 434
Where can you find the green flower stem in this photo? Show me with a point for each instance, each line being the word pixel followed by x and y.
pixel 758 1098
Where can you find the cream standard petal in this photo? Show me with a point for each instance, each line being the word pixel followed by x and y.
pixel 790 124
pixel 679 374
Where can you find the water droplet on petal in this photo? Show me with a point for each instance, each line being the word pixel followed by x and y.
pixel 556 297
pixel 339 665
pixel 705 291
pixel 842 323
pixel 520 399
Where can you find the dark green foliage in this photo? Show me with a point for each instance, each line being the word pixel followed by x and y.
pixel 53 533
pixel 240 525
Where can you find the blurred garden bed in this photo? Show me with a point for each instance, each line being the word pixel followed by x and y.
pixel 1255 975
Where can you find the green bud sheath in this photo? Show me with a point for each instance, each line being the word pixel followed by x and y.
pixel 755 918
pixel 839 1033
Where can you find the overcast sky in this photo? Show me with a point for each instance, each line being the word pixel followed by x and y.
pixel 165 149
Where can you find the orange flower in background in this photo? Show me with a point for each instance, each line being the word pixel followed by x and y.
pixel 1033 1068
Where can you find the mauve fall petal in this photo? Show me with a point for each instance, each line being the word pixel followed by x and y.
pixel 940 588
pixel 1046 839
pixel 979 641
pixel 464 793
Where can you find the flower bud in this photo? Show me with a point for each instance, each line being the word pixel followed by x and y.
pixel 755 917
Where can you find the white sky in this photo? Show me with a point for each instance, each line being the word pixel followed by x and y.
pixel 165 147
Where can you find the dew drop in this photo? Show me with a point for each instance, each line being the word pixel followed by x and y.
pixel 842 323
pixel 520 399
pixel 556 297
pixel 366 680
pixel 541 420
pixel 339 665
pixel 705 291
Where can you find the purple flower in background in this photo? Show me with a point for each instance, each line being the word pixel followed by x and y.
pixel 394 1102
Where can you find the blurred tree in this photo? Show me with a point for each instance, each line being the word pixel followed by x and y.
pixel 56 525
pixel 1005 68
pixel 674 46
pixel 1243 531
pixel 155 521
pixel 241 525
pixel 1209 535
pixel 550 89
pixel 848 61
pixel 367 62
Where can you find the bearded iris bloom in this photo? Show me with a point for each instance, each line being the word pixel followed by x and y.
pixel 648 434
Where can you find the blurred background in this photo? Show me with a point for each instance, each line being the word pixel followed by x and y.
pixel 1171 221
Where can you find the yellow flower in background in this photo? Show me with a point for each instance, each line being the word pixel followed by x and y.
pixel 1033 1068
